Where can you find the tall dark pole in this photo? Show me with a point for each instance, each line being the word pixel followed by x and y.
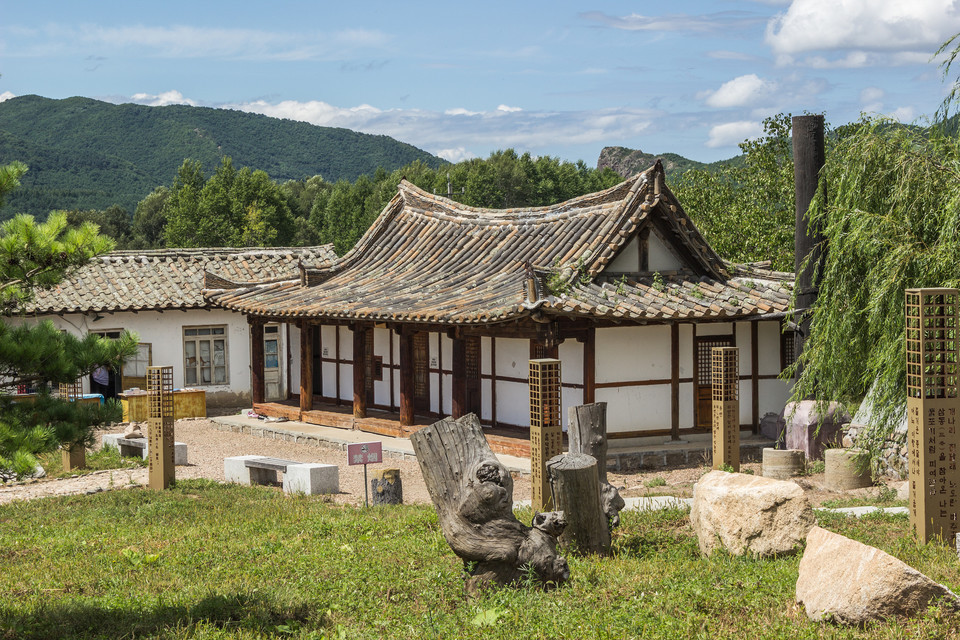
pixel 809 157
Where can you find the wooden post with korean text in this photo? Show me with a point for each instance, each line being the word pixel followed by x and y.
pixel 160 443
pixel 725 376
pixel 932 411
pixel 546 431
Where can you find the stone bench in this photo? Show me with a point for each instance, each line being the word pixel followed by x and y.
pixel 139 447
pixel 298 477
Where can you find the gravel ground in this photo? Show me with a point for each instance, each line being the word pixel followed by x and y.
pixel 207 447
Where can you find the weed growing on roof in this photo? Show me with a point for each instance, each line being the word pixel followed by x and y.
pixel 658 281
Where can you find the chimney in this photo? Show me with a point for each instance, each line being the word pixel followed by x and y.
pixel 808 158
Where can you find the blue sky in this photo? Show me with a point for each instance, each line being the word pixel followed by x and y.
pixel 463 79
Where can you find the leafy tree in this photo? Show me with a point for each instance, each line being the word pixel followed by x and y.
pixel 890 224
pixel 182 207
pixel 150 221
pixel 113 222
pixel 34 256
pixel 746 210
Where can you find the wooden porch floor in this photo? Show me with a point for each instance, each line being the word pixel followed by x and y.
pixel 385 423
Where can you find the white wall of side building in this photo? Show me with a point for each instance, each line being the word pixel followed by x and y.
pixel 163 330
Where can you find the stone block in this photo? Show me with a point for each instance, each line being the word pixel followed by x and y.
pixel 311 478
pixel 810 432
pixel 748 514
pixel 234 469
pixel 141 447
pixel 844 469
pixel 846 581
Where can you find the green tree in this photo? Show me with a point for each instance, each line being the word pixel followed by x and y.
pixel 36 256
pixel 182 208
pixel 113 222
pixel 746 210
pixel 150 221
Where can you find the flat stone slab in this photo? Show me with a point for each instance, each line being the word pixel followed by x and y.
pixel 645 503
pixel 298 477
pixel 140 447
pixel 856 512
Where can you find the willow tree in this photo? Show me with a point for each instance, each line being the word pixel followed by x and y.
pixel 891 222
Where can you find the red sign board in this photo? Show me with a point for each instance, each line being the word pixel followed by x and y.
pixel 365 453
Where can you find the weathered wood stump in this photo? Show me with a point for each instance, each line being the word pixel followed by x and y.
pixel 385 487
pixel 473 494
pixel 576 492
pixel 587 432
pixel 73 457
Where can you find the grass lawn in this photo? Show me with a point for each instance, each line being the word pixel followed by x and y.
pixel 205 560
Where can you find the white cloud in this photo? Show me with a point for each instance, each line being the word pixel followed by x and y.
pixel 449 132
pixel 6 95
pixel 719 21
pixel 733 133
pixel 904 114
pixel 889 26
pixel 742 91
pixel 182 41
pixel 162 99
pixel 455 155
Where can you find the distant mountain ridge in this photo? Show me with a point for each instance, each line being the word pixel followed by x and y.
pixel 88 154
pixel 628 162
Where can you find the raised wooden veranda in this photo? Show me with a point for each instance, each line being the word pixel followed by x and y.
pixel 384 423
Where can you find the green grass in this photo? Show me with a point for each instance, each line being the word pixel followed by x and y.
pixel 205 560
pixel 99 460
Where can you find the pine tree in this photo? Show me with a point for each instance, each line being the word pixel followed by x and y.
pixel 36 256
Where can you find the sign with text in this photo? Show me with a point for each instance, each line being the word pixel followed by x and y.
pixel 365 453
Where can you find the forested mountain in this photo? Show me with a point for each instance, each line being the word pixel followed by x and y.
pixel 88 154
pixel 628 162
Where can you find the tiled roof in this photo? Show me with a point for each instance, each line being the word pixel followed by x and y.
pixel 168 278
pixel 428 259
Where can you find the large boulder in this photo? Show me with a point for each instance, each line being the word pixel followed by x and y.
pixel 749 514
pixel 849 582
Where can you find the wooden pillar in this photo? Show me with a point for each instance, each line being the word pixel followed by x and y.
pixel 306 366
pixel 590 367
pixel 406 377
pixel 256 360
pixel 160 436
pixel 459 391
pixel 754 378
pixel 359 372
pixel 336 366
pixel 546 434
pixel 674 381
pixel 493 381
pixel 725 375
pixel 933 409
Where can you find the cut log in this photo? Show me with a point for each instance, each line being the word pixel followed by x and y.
pixel 576 492
pixel 386 488
pixel 473 495
pixel 587 432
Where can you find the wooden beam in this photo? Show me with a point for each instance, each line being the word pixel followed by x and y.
pixel 359 372
pixel 459 391
pixel 590 367
pixel 406 378
pixel 336 369
pixel 754 378
pixel 306 366
pixel 493 381
pixel 258 390
pixel 675 381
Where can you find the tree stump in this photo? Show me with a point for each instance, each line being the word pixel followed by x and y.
pixel 576 492
pixel 587 431
pixel 385 487
pixel 473 495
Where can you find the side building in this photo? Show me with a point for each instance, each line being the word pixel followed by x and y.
pixel 439 307
pixel 158 295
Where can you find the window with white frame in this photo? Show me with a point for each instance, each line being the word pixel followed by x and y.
pixel 205 355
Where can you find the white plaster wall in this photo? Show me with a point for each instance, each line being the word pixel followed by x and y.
pixel 633 353
pixel 513 401
pixel 381 347
pixel 346 370
pixel 293 363
pixel 637 408
pixel 743 342
pixel 433 360
pixel 571 361
pixel 686 405
pixel 714 329
pixel 768 350
pixel 485 353
pixel 164 332
pixel 328 349
pixel 659 257
pixel 513 361
pixel 628 260
pixel 447 394
pixel 486 412
pixel 686 357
